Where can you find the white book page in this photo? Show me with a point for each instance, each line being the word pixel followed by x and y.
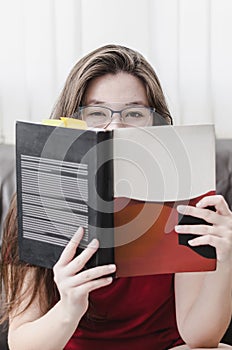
pixel 164 163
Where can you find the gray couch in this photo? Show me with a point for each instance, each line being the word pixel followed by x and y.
pixel 224 187
pixel 7 187
pixel 7 180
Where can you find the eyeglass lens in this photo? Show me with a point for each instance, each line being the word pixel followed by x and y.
pixel 98 115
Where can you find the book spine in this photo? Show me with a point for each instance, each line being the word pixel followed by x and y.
pixel 105 199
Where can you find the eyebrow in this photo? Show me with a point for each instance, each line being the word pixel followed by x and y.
pixel 97 102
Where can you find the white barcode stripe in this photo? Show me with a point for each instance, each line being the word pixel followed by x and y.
pixel 46 239
pixel 44 167
pixel 54 203
pixel 53 189
pixel 52 214
pixel 54 161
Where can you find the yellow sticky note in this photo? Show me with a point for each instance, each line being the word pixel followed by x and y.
pixel 66 123
pixel 74 123
pixel 53 122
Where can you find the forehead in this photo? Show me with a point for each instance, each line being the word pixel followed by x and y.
pixel 116 88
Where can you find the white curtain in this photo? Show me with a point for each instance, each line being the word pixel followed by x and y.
pixel 187 41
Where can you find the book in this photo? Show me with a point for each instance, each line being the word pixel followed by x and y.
pixel 122 186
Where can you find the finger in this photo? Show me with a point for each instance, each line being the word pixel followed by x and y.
pixel 80 261
pixel 92 274
pixel 217 201
pixel 69 251
pixel 201 213
pixel 213 241
pixel 95 284
pixel 196 229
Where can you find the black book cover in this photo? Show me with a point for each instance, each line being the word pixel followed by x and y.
pixel 57 170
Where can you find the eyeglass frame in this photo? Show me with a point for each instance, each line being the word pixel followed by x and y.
pixel 157 118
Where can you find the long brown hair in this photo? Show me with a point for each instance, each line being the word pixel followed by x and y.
pixel 13 272
pixel 109 59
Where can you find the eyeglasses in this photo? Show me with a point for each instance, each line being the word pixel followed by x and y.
pixel 96 116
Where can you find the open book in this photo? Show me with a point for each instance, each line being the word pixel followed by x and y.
pixel 122 186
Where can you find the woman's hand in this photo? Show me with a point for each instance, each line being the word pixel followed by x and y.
pixel 196 304
pixel 75 285
pixel 219 233
pixel 53 329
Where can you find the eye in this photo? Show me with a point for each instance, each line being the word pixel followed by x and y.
pixel 96 113
pixel 134 114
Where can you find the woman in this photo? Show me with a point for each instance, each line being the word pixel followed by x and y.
pixel 86 309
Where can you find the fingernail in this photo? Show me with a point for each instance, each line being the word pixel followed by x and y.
pixel 79 230
pixel 199 204
pixel 112 267
pixel 181 208
pixel 178 228
pixel 94 243
pixel 191 242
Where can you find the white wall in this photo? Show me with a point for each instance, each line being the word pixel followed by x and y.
pixel 187 41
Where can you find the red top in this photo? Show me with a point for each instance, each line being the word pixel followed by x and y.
pixel 132 313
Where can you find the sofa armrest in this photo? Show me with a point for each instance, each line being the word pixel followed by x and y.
pixel 224 169
pixel 7 180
